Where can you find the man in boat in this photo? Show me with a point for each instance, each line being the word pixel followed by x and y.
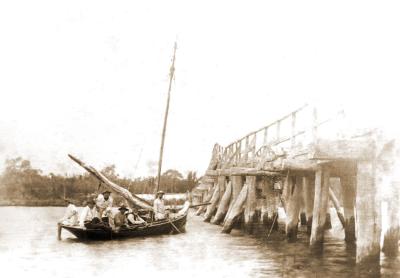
pixel 87 214
pixel 108 217
pixel 71 214
pixel 120 218
pixel 133 217
pixel 103 201
pixel 159 207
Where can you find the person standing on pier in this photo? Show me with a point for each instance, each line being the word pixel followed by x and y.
pixel 159 207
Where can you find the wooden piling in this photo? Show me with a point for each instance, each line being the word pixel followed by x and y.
pixel 250 205
pixel 368 211
pixel 237 184
pixel 237 209
pixel 269 208
pixel 211 208
pixel 392 234
pixel 320 206
pixel 336 204
pixel 223 205
pixel 348 186
pixel 206 199
pixel 293 206
pixel 308 196
pixel 388 169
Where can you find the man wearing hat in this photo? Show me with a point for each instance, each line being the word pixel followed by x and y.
pixel 103 201
pixel 119 217
pixel 133 217
pixel 70 215
pixel 159 207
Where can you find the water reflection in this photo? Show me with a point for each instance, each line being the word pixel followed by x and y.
pixel 28 244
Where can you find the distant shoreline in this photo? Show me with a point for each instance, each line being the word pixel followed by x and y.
pixel 174 198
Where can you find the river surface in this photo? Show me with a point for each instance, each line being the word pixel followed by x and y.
pixel 29 248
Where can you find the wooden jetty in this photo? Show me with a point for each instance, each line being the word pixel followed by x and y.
pixel 293 163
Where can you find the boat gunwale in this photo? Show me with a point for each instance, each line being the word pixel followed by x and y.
pixel 135 228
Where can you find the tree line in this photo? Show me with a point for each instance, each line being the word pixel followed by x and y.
pixel 21 184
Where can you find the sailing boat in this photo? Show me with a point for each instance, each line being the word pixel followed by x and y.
pixel 175 223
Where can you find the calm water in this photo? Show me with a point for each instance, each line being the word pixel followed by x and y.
pixel 28 246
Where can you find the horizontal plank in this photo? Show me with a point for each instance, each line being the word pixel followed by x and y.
pixel 240 171
pixel 343 149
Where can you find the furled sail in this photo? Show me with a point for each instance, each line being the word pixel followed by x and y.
pixel 132 199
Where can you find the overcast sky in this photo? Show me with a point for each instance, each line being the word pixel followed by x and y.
pixel 90 77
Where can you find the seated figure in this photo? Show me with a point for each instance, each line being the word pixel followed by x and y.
pixel 133 217
pixel 119 218
pixel 71 214
pixel 87 214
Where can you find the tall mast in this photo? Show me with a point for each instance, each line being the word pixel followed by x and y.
pixel 171 76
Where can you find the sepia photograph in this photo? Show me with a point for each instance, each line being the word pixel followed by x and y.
pixel 199 138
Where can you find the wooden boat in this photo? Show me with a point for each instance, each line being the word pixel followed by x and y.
pixel 175 224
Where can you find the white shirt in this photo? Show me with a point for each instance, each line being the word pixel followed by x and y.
pixel 103 203
pixel 132 220
pixel 70 215
pixel 86 215
pixel 159 209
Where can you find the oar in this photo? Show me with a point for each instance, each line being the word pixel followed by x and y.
pixel 173 225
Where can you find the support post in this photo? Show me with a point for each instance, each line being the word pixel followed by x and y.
pixel 392 234
pixel 320 206
pixel 207 198
pixel 293 207
pixel 223 205
pixel 269 209
pixel 308 195
pixel 251 203
pixel 348 186
pixel 237 184
pixel 236 210
pixel 336 204
pixel 211 208
pixel 368 211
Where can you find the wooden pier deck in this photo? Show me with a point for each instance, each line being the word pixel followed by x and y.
pixel 292 163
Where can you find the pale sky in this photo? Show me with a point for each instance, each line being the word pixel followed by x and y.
pixel 90 77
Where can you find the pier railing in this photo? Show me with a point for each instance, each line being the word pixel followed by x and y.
pixel 292 134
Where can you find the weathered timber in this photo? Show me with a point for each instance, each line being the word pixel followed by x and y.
pixel 392 234
pixel 293 207
pixel 222 184
pixel 308 196
pixel 388 166
pixel 223 205
pixel 320 206
pixel 299 165
pixel 207 199
pixel 211 209
pixel 132 199
pixel 348 186
pixel 237 184
pixel 236 210
pixel 240 171
pixel 336 204
pixel 286 191
pixel 368 211
pixel 343 149
pixel 250 205
pixel 269 208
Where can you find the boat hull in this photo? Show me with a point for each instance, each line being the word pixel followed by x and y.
pixel 155 228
